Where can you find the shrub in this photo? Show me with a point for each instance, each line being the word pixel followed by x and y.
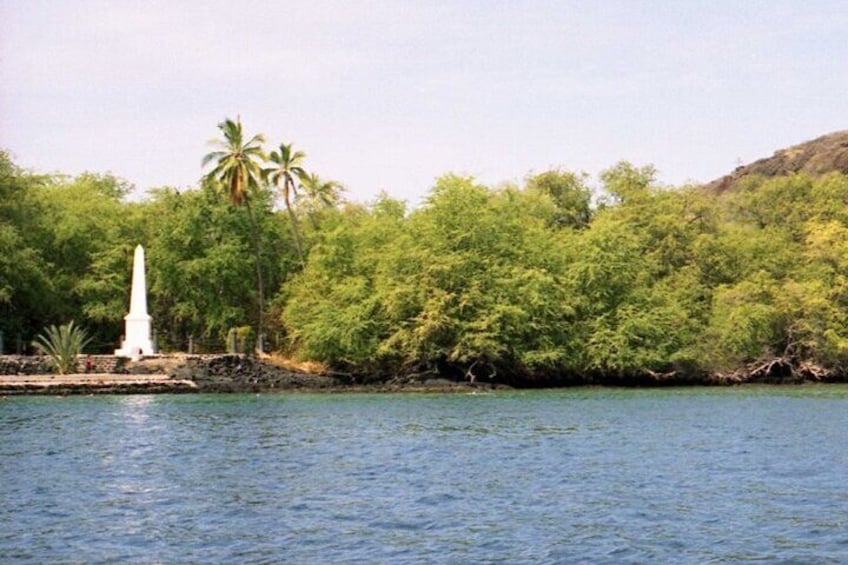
pixel 62 345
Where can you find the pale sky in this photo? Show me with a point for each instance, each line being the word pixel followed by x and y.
pixel 389 95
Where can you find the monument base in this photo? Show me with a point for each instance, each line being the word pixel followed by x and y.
pixel 134 352
pixel 138 340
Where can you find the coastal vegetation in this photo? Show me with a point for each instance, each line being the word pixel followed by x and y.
pixel 62 345
pixel 555 279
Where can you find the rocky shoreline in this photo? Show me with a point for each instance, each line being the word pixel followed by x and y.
pixel 201 374
pixel 239 373
pixel 247 374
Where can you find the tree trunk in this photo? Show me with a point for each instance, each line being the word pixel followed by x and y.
pixel 260 288
pixel 294 227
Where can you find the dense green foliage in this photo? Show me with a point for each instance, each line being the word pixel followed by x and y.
pixel 540 279
pixel 66 249
pixel 65 252
pixel 201 263
pixel 531 281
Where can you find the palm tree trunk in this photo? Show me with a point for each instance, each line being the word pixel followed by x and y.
pixel 260 289
pixel 296 231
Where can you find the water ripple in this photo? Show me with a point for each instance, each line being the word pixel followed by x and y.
pixel 597 476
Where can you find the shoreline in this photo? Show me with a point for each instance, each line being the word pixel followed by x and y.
pixel 246 374
pixel 92 383
pixel 87 384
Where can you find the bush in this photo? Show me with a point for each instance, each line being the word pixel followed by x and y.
pixel 62 345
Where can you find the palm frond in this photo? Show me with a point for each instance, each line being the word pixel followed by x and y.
pixel 237 167
pixel 209 157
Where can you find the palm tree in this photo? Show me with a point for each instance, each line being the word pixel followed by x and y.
pixel 320 193
pixel 288 166
pixel 237 165
pixel 238 169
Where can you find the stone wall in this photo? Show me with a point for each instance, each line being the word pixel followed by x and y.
pixel 24 365
pixel 100 364
pixel 40 365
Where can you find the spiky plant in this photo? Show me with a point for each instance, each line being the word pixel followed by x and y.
pixel 62 345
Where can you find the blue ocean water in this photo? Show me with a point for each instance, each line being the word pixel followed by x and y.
pixel 696 475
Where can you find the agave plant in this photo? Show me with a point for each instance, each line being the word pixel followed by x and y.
pixel 62 345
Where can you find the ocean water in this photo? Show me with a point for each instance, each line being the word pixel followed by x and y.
pixel 695 475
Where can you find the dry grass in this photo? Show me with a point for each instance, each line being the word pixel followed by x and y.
pixel 309 367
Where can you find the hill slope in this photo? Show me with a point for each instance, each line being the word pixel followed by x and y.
pixel 821 155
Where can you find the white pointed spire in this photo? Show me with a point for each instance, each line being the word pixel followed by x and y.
pixel 137 341
pixel 138 298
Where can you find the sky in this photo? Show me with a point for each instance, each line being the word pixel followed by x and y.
pixel 389 95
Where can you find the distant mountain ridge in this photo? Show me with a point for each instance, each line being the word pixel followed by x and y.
pixel 819 156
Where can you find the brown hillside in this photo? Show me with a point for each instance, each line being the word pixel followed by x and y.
pixel 822 155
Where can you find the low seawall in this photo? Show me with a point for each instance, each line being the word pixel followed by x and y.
pixel 40 364
pixel 98 374
pixel 93 383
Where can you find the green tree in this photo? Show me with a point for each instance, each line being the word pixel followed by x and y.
pixel 570 195
pixel 89 233
pixel 200 265
pixel 778 264
pixel 26 288
pixel 641 296
pixel 238 168
pixel 472 280
pixel 318 194
pixel 624 182
pixel 330 308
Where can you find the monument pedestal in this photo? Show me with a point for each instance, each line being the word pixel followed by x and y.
pixel 137 342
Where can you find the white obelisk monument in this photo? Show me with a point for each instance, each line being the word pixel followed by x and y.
pixel 137 335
